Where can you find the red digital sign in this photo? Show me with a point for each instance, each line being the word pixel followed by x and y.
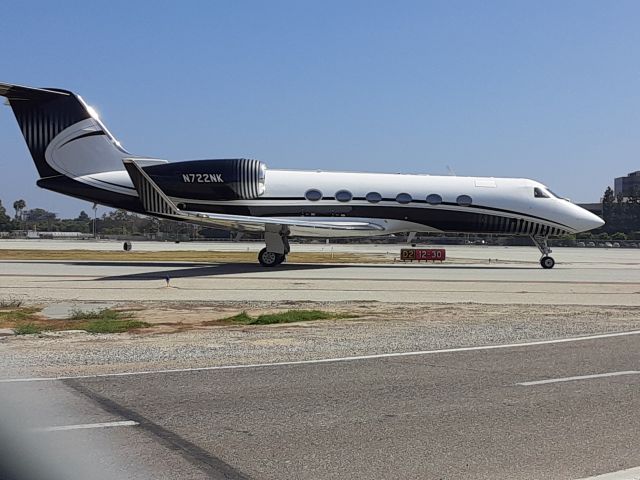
pixel 423 254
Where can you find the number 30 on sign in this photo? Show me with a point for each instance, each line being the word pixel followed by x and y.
pixel 420 254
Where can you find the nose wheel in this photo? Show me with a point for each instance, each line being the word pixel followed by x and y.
pixel 546 261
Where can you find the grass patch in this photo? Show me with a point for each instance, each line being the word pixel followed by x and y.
pixel 188 256
pixel 25 321
pixel 104 321
pixel 113 326
pixel 106 314
pixel 290 316
pixel 239 318
pixel 10 302
pixel 18 314
pixel 27 329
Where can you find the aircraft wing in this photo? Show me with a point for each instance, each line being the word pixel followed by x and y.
pixel 248 223
pixel 156 202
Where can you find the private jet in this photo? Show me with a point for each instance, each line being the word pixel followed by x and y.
pixel 76 155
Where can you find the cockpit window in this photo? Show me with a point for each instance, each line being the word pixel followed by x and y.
pixel 554 194
pixel 539 193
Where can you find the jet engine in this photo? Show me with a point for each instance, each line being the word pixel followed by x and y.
pixel 229 179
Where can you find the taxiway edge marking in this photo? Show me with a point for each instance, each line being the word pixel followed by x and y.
pixel 580 377
pixel 82 426
pixel 628 474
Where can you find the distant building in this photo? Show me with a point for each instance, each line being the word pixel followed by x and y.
pixel 595 208
pixel 33 234
pixel 628 186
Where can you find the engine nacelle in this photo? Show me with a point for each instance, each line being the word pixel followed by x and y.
pixel 232 179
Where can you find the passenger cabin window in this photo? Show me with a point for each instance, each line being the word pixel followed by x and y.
pixel 403 198
pixel 313 195
pixel 434 199
pixel 373 197
pixel 464 200
pixel 539 193
pixel 344 196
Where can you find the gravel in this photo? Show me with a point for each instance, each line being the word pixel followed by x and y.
pixel 381 329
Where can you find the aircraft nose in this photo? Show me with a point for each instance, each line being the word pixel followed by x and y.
pixel 588 221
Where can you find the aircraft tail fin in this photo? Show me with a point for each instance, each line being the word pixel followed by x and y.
pixel 51 119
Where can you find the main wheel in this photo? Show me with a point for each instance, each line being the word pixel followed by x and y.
pixel 547 262
pixel 269 259
pixel 126 246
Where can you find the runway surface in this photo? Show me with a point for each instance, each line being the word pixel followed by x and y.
pixel 582 276
pixel 457 414
pixel 461 391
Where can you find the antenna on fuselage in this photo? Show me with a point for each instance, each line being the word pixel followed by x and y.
pixel 451 172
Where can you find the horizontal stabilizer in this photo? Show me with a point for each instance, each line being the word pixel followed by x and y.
pixel 18 92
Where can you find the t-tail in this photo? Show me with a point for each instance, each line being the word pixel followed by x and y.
pixel 69 144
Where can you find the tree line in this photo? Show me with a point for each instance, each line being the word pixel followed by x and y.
pixel 113 223
pixel 621 214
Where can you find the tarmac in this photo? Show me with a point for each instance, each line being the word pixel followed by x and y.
pixel 467 398
pixel 557 410
pixel 492 275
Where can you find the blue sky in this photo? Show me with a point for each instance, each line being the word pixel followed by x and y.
pixel 548 90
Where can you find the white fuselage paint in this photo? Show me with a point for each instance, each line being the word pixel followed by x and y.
pixel 76 155
pixel 509 197
pixel 96 161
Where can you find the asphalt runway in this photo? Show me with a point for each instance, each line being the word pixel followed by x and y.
pixel 487 413
pixel 582 276
pixel 552 409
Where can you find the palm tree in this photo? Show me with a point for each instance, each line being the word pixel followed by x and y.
pixel 19 206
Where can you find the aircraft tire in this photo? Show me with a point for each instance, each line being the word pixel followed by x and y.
pixel 126 246
pixel 547 262
pixel 269 259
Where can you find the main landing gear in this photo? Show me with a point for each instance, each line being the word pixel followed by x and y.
pixel 270 259
pixel 546 261
pixel 277 247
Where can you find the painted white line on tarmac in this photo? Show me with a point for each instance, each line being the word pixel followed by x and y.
pixel 629 474
pixel 328 360
pixel 582 377
pixel 124 423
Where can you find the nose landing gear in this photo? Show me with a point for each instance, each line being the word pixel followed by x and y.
pixel 546 261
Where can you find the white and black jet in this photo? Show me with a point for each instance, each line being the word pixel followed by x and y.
pixel 76 155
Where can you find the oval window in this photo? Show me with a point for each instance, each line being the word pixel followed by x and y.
pixel 403 198
pixel 373 197
pixel 434 199
pixel 464 200
pixel 343 196
pixel 313 195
